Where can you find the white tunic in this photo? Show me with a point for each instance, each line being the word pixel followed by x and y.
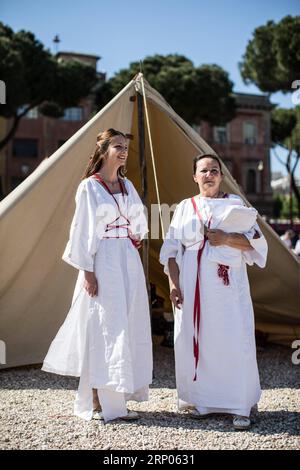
pixel 227 374
pixel 105 339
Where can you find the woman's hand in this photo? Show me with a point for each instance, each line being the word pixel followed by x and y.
pixel 176 297
pixel 90 283
pixel 175 292
pixel 137 243
pixel 217 237
pixel 135 240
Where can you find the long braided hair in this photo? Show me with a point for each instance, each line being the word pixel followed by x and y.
pixel 97 159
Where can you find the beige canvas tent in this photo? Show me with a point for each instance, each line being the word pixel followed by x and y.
pixel 36 286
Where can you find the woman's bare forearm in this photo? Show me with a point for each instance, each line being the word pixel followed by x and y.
pixel 218 237
pixel 175 292
pixel 173 273
pixel 239 241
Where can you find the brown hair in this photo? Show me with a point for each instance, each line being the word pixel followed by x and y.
pixel 199 157
pixel 96 160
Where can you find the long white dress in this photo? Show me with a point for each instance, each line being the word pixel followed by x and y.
pixel 106 339
pixel 227 378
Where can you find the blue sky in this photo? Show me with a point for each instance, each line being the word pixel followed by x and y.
pixel 215 31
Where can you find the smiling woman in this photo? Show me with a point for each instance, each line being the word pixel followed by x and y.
pixel 106 338
pixel 111 150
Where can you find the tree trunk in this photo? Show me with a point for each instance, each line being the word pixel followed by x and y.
pixel 288 169
pixel 294 186
pixel 16 121
pixel 11 132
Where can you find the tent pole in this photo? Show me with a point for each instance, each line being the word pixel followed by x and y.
pixel 144 184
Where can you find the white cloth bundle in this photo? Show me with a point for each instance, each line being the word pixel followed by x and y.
pixel 230 218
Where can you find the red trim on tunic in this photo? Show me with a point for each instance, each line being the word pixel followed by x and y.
pixel 110 225
pixel 197 303
pixel 222 272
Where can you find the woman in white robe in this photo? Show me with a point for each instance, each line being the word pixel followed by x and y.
pixel 106 337
pixel 211 238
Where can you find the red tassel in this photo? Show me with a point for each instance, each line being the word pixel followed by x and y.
pixel 223 273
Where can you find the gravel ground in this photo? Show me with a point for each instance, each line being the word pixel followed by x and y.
pixel 36 412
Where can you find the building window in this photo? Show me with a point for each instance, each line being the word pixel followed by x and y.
pixel 73 114
pixel 249 133
pixel 25 148
pixel 32 114
pixel 221 134
pixel 251 181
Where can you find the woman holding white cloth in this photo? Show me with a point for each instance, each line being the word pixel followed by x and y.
pixel 106 337
pixel 215 355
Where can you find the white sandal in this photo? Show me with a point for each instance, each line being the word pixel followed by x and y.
pixel 131 416
pixel 97 414
pixel 241 422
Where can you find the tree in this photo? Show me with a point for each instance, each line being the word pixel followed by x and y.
pixel 272 63
pixel 285 131
pixel 34 78
pixel 196 93
pixel 282 207
pixel 272 57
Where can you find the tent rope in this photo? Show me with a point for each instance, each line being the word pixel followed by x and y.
pixel 154 166
pixel 152 155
